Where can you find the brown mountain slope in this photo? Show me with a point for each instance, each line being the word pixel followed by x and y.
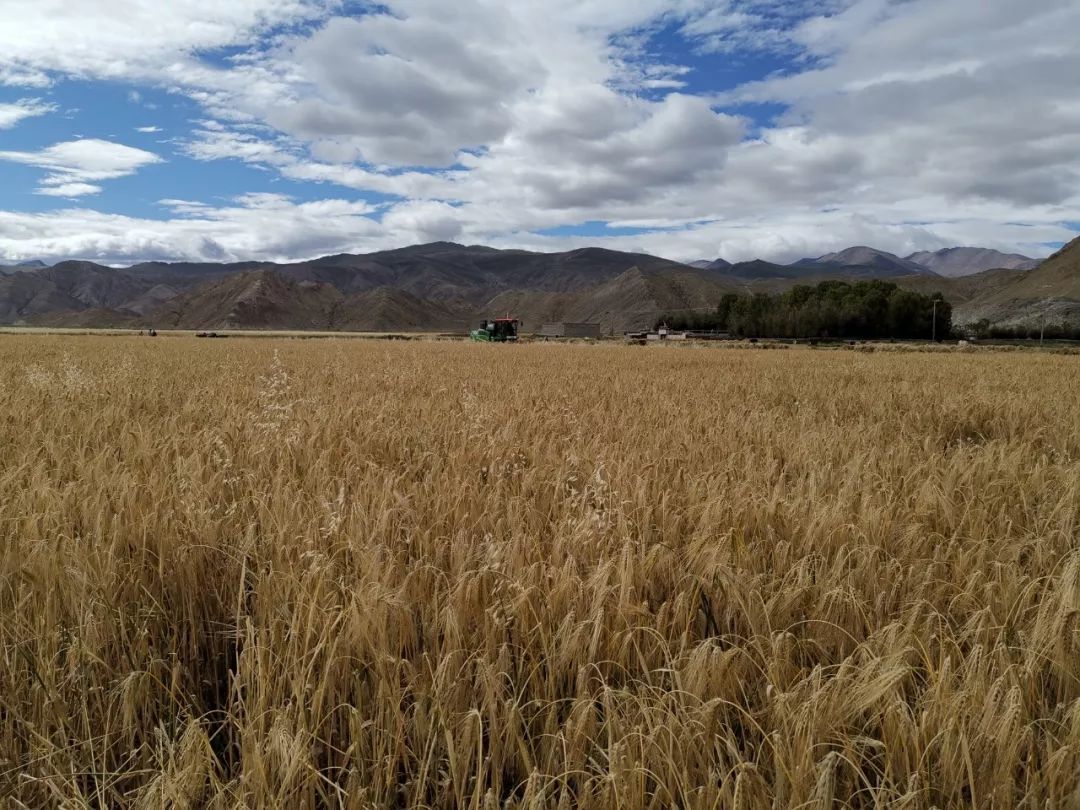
pixel 469 276
pixel 65 287
pixel 95 318
pixel 966 261
pixel 1058 276
pixel 868 257
pixel 263 299
pixel 961 290
pixel 461 277
pixel 1049 293
pixel 386 309
pixel 633 300
pixel 153 298
pixel 260 299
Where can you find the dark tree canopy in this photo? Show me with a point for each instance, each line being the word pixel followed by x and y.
pixel 1029 331
pixel 832 309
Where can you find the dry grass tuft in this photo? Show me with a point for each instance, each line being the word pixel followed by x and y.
pixel 334 574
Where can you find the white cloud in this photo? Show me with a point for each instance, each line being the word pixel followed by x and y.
pixel 73 165
pixel 885 111
pixel 22 76
pixel 984 113
pixel 411 90
pixel 148 130
pixel 69 190
pixel 138 39
pixel 216 142
pixel 264 227
pixel 909 123
pixel 736 26
pixel 598 150
pixel 413 86
pixel 11 114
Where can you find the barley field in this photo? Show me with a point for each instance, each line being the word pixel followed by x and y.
pixel 321 574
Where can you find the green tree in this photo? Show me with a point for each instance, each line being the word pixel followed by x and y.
pixel 864 309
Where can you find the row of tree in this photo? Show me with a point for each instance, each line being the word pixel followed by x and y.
pixel 985 330
pixel 831 309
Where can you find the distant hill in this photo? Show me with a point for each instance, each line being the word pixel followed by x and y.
pixel 967 261
pixel 34 264
pixel 386 309
pixel 471 275
pixel 435 286
pixel 258 299
pixel 812 271
pixel 633 300
pixel 715 264
pixel 179 275
pixel 445 286
pixel 150 300
pixel 65 287
pixel 96 318
pixel 1048 293
pixel 759 269
pixel 867 258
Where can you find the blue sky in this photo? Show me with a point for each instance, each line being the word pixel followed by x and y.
pixel 285 129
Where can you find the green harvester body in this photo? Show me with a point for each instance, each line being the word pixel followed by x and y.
pixel 499 330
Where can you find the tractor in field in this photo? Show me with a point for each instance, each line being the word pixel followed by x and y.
pixel 499 330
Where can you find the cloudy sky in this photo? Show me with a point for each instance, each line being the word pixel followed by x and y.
pixel 285 129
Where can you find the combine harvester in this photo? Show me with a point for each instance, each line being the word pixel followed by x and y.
pixel 500 330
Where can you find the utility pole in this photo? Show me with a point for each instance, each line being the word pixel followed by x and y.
pixel 934 338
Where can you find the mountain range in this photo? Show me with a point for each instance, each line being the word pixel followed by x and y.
pixel 967 261
pixel 35 264
pixel 447 287
pixel 872 262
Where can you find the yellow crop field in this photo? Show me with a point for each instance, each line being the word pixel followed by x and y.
pixel 320 574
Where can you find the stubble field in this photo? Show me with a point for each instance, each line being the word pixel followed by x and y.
pixel 322 574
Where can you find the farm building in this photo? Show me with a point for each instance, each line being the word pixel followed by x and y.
pixel 570 330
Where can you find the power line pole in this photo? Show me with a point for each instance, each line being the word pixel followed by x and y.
pixel 934 338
